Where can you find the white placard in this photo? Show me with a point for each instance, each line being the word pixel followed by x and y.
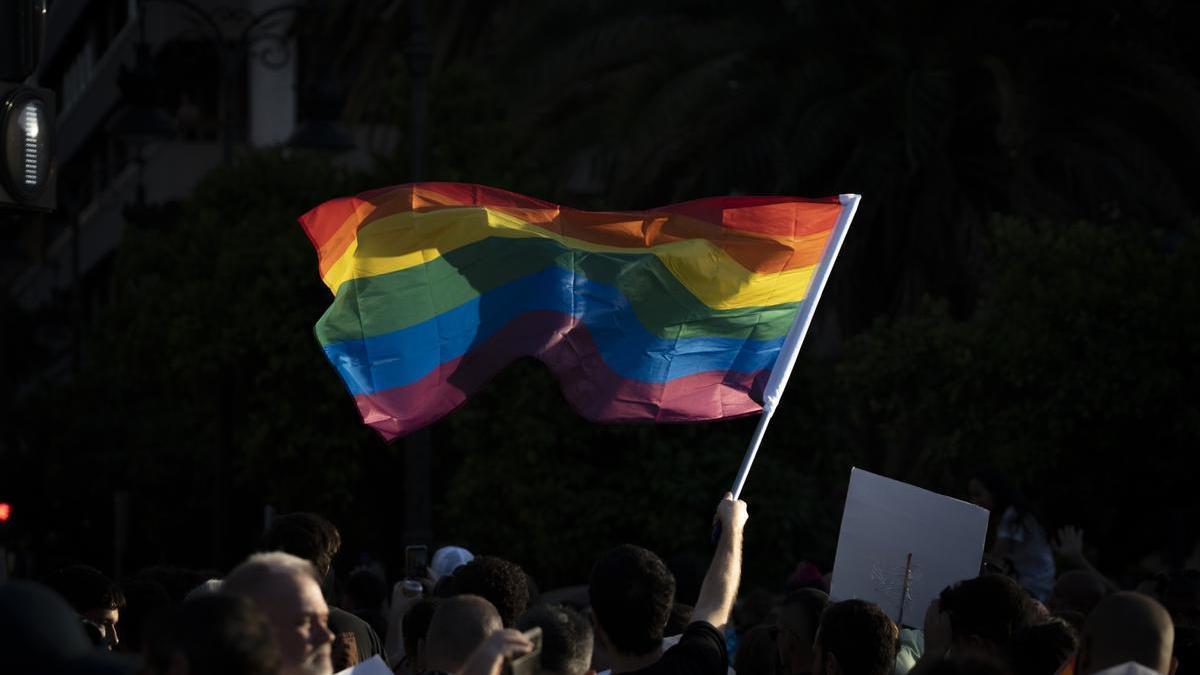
pixel 372 666
pixel 901 545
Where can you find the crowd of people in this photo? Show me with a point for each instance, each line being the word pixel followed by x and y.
pixel 276 614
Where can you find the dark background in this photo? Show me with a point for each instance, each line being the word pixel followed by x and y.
pixel 1019 289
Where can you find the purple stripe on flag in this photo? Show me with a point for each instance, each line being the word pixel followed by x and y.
pixel 591 387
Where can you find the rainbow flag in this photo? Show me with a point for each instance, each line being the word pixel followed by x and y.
pixel 675 314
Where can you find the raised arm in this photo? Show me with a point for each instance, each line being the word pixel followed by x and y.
pixel 720 586
pixel 488 658
pixel 1069 545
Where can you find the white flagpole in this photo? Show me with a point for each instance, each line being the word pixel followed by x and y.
pixel 795 337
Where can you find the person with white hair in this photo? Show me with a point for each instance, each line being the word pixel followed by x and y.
pixel 285 588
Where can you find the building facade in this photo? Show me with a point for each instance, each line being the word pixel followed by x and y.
pixel 152 95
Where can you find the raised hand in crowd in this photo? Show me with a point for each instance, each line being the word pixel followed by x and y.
pixel 720 586
pixel 488 658
pixel 1069 546
pixel 413 588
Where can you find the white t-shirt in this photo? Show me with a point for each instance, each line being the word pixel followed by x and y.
pixel 1131 668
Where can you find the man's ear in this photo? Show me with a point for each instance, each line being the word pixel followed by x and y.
pixel 178 664
pixel 832 667
pixel 1174 666
pixel 600 635
pixel 1083 657
pixel 785 645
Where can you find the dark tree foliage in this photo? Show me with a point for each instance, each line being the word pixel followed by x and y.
pixel 1019 287
pixel 203 391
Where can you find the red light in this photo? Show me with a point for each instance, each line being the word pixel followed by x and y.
pixel 5 512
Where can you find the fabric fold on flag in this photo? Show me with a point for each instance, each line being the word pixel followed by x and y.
pixel 673 314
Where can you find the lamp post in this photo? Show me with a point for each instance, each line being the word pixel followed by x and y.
pixel 419 55
pixel 418 520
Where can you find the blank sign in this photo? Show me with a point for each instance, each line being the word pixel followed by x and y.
pixel 901 545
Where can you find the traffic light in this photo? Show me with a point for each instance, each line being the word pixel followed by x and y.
pixel 26 113
pixel 26 147
pixel 5 516
pixel 26 140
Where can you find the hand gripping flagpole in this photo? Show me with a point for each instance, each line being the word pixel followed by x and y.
pixel 795 337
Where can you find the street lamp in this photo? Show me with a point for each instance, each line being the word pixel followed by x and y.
pixel 418 450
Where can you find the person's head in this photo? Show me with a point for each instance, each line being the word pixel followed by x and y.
pixel 459 625
pixel 985 612
pixel 305 535
pixel 1127 627
pixel 499 581
pixel 443 587
pixel 177 581
pixel 94 597
pixel 1042 649
pixel 566 639
pixel 144 600
pixel 214 634
pixel 677 622
pixel 796 626
pixel 1077 590
pixel 1187 650
pixel 366 590
pixel 994 490
pixel 754 607
pixel 40 633
pixel 1075 620
pixel 285 589
pixel 631 592
pixel 855 637
pixel 688 568
pixel 806 575
pixel 207 588
pixel 972 662
pixel 37 627
pixel 535 594
pixel 447 559
pixel 756 653
pixel 414 629
pixel 1180 594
